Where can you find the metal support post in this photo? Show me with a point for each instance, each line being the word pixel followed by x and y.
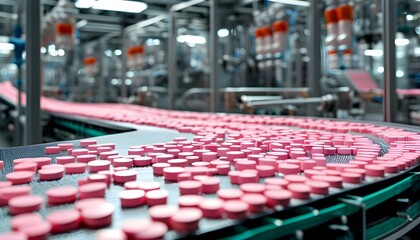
pixel 101 70
pixel 33 127
pixel 314 71
pixel 214 66
pixel 172 72
pixel 388 38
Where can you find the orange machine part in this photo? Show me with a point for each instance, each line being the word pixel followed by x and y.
pixel 258 32
pixel 135 50
pixel 266 31
pixel 64 28
pixel 331 15
pixel 345 12
pixel 280 26
pixel 347 51
pixel 89 60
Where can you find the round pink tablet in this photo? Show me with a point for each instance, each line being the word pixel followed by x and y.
pixel 110 234
pixel 65 146
pixel 184 176
pixel 149 186
pixel 20 177
pixel 13 236
pixel 85 158
pixel 99 165
pixel 256 202
pixel 48 174
pixel 87 142
pixel 211 208
pixel 142 161
pixel 104 178
pixel 107 154
pixel 252 188
pixel 122 177
pixel 37 231
pixel 277 181
pixel 235 209
pixel 278 197
pixel 390 167
pixel 24 219
pixel 189 187
pixel 178 162
pixel 52 150
pixel 210 185
pixel 299 190
pixel 318 187
pixel 78 152
pixel 190 200
pixel 171 173
pixel 375 170
pixel 229 194
pixel 162 213
pixel 147 230
pixel 75 168
pixel 354 178
pixel 333 181
pixel 25 204
pixel 286 168
pixel 248 177
pixel 158 168
pixel 186 219
pixel 234 177
pixel 64 220
pixel 132 198
pixel 8 193
pixel 4 184
pixel 92 190
pixel 311 172
pixel 122 162
pixel 27 166
pixel 362 172
pixel 156 197
pixel 265 171
pixel 65 159
pixel 98 216
pixel 223 169
pixel 292 178
pixel 61 195
pixel 88 202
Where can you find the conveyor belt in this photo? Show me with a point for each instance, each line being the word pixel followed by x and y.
pixel 150 135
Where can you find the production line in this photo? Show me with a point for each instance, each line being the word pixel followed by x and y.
pixel 208 119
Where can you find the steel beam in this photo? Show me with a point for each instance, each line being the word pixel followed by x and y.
pixel 33 129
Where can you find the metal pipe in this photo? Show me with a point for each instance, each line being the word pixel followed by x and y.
pixel 314 71
pixel 215 101
pixel 388 38
pixel 294 101
pixel 33 128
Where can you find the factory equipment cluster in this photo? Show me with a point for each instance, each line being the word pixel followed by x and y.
pixel 209 119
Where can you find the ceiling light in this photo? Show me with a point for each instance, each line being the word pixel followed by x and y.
pixel 223 32
pixel 113 5
pixel 118 52
pixel 293 2
pixel 402 41
pixel 191 39
pixel 7 46
pixel 374 53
